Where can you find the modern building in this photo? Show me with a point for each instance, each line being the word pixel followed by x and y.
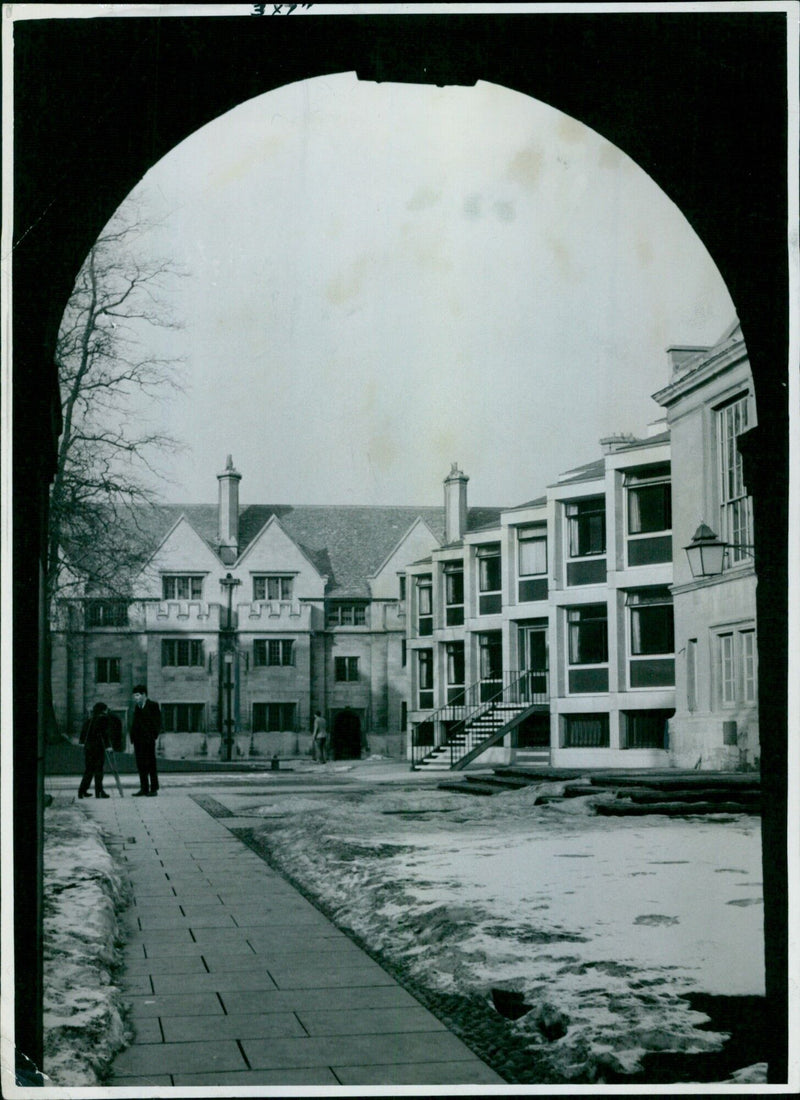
pixel 547 637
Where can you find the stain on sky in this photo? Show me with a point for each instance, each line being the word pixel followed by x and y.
pixel 526 166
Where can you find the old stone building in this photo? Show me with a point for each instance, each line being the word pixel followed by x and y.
pixel 709 404
pixel 247 620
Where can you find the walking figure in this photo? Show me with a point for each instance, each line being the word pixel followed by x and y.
pixel 320 738
pixel 145 728
pixel 95 738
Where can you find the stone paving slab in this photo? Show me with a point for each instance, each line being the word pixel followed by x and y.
pixel 368 1021
pixel 144 1058
pixel 205 1003
pixel 217 937
pixel 188 1029
pixel 296 941
pixel 243 982
pixel 182 964
pixel 280 1078
pixel 148 1029
pixel 136 983
pixel 163 936
pixel 202 920
pixel 158 949
pixel 158 906
pixel 316 952
pixel 331 979
pixel 339 999
pixel 471 1072
pixel 353 1050
pixel 154 890
pixel 257 977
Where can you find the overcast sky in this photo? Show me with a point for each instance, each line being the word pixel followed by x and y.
pixel 388 278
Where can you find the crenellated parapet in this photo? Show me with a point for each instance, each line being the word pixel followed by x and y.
pixel 181 615
pixel 274 615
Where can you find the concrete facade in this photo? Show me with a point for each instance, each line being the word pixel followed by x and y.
pixel 576 617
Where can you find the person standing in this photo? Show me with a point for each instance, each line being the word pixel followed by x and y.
pixel 95 738
pixel 145 728
pixel 320 736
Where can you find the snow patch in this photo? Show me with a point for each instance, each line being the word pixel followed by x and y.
pixel 84 891
pixel 594 915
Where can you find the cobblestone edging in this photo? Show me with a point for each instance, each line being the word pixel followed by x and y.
pixel 472 1019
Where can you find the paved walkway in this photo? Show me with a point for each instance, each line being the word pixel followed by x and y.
pixel 235 979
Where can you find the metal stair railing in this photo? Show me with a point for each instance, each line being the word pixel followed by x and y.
pixel 479 701
pixel 453 711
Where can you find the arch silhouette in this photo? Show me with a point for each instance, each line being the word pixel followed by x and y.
pixel 699 102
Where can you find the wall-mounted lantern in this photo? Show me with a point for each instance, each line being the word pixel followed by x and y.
pixel 706 552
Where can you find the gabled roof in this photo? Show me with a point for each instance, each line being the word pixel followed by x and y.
pixel 419 520
pixel 346 543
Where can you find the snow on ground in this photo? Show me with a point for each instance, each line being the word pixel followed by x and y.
pixel 608 920
pixel 83 893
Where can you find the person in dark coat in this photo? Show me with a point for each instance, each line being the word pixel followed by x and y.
pixel 95 738
pixel 145 728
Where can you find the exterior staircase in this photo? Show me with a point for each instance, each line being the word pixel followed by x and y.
pixel 478 718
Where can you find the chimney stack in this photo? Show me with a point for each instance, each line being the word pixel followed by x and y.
pixel 455 505
pixel 229 512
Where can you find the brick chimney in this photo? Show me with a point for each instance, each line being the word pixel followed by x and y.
pixel 228 534
pixel 455 504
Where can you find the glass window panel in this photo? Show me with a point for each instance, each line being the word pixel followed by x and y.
pixel 749 682
pixel 588 634
pixel 727 668
pixel 489 574
pixel 652 630
pixel 454 587
pixel 587 527
pixel 532 555
pixel 455 663
pixel 649 509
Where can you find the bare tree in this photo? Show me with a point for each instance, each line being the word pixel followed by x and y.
pixel 107 455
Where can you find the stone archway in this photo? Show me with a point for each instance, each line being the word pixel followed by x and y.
pixel 146 83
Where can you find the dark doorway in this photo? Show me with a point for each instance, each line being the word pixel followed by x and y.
pixel 534 732
pixel 346 741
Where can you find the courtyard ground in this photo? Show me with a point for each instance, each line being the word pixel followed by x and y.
pixel 635 946
pixel 623 934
